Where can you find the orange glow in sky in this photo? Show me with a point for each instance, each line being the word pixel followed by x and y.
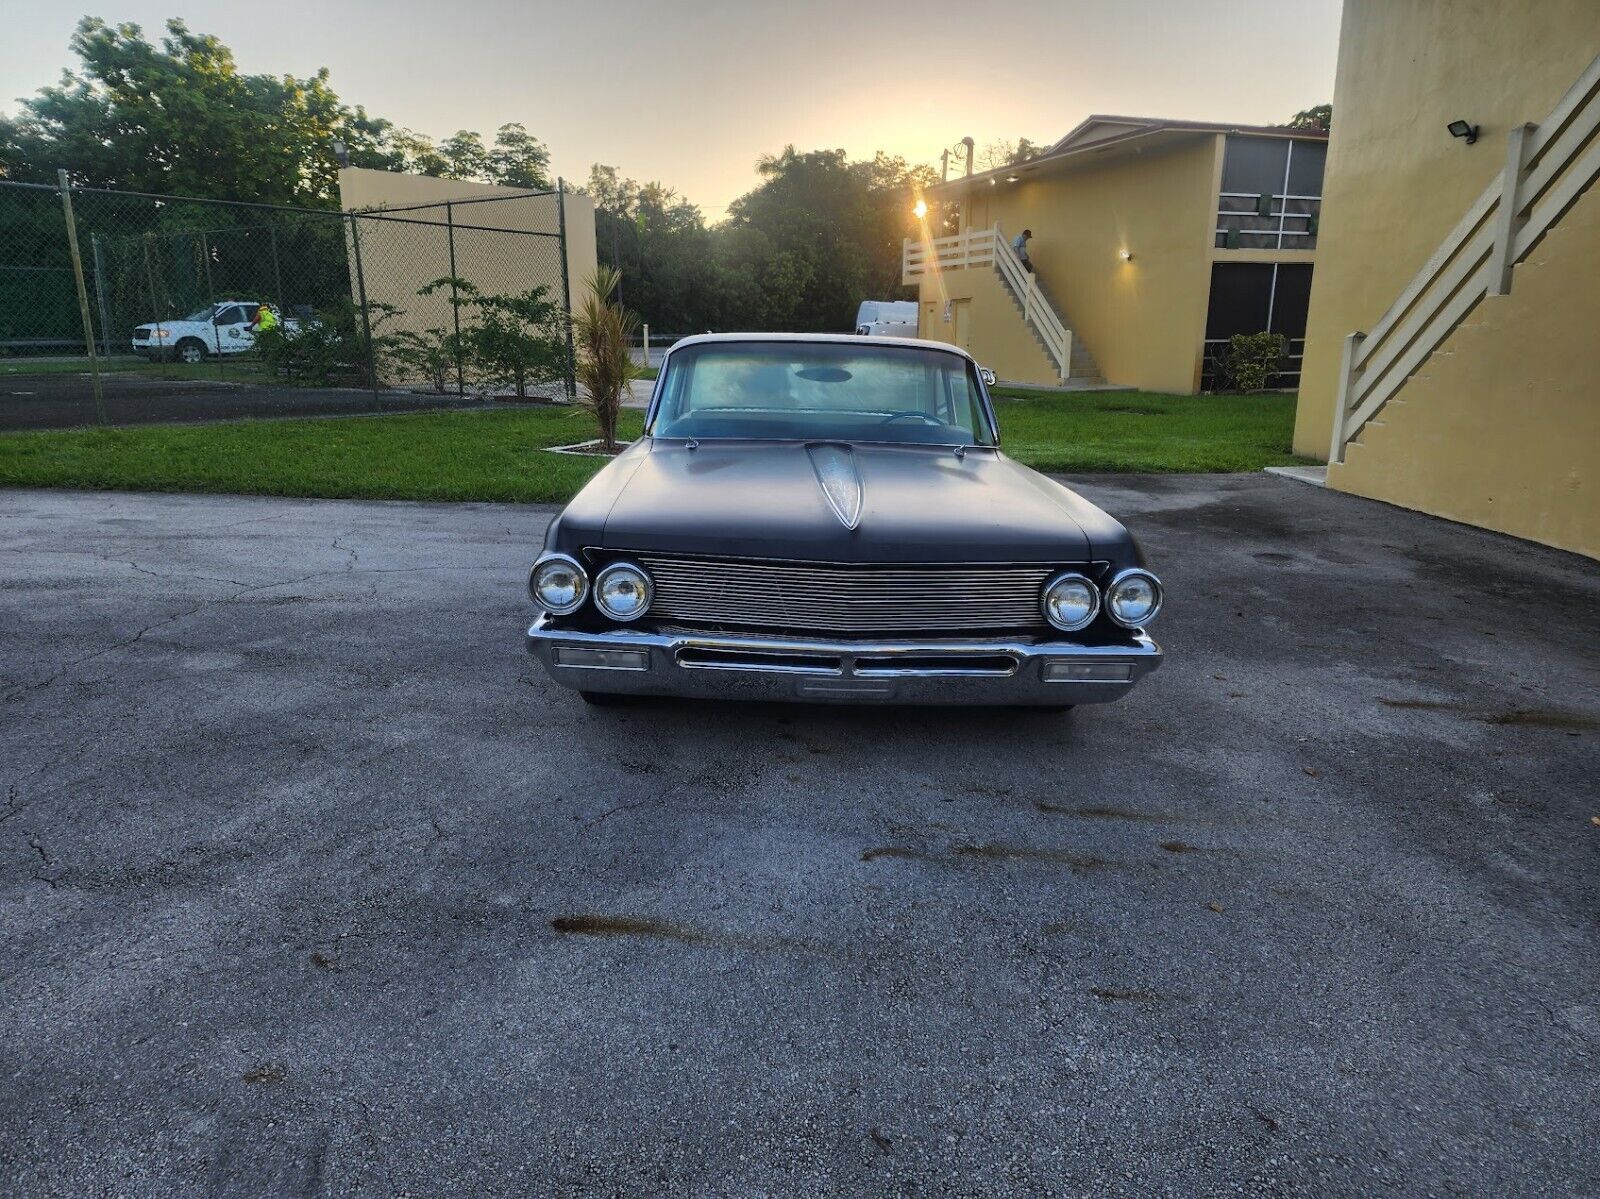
pixel 692 93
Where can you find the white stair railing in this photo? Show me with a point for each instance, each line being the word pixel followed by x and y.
pixel 989 247
pixel 1036 310
pixel 1548 166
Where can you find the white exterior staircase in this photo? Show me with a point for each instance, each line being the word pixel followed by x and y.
pixel 1548 167
pixel 973 248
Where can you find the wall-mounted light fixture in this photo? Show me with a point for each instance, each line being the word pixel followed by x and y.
pixel 1126 255
pixel 1011 178
pixel 1460 128
pixel 921 210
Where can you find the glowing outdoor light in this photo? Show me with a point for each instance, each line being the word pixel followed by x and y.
pixel 921 210
pixel 1126 255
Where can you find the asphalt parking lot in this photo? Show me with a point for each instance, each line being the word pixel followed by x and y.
pixel 312 884
pixel 62 401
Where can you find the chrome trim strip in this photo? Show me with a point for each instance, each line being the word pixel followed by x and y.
pixel 881 680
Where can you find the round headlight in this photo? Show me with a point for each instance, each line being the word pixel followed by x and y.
pixel 1134 598
pixel 558 584
pixel 1071 602
pixel 622 591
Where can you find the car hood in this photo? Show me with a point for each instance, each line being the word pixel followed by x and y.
pixel 824 501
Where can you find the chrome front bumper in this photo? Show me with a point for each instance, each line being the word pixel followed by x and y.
pixel 1016 670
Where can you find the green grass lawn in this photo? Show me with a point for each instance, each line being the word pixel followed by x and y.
pixel 1141 432
pixel 498 455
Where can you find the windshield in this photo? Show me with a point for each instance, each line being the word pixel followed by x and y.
pixel 821 391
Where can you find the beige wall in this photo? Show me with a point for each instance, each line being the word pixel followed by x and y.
pixel 984 322
pixel 1144 320
pixel 1501 428
pixel 1396 181
pixel 399 256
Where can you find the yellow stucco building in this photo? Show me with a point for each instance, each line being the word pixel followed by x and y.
pixel 1153 242
pixel 1453 324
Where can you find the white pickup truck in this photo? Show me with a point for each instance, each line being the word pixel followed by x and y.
pixel 226 327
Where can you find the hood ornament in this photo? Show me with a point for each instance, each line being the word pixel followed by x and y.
pixel 840 480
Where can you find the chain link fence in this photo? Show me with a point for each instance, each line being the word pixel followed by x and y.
pixel 101 289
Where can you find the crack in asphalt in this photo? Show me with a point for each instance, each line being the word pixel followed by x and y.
pixel 47 861
pixel 243 591
pixel 13 808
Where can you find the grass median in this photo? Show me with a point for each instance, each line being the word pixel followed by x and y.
pixel 501 455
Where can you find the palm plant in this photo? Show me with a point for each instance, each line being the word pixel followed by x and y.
pixel 605 365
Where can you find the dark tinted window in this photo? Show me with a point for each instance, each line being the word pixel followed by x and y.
pixel 1305 168
pixel 1291 299
pixel 1240 293
pixel 1254 165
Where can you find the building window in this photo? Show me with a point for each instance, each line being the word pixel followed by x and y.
pixel 1271 193
pixel 1249 297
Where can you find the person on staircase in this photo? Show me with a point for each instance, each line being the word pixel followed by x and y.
pixel 1019 243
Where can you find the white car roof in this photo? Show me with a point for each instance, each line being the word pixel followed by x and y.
pixel 854 339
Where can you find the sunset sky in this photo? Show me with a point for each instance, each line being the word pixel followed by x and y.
pixel 691 93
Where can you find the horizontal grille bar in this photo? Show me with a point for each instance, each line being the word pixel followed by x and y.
pixel 840 598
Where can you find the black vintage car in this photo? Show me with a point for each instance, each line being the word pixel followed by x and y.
pixel 831 519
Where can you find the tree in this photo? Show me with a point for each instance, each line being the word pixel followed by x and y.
pixel 1008 154
pixel 603 330
pixel 1318 117
pixel 519 159
pixel 466 155
pixel 418 154
pixel 178 117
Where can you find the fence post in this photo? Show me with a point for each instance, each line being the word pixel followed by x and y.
pixel 211 298
pixel 361 294
pixel 566 290
pixel 83 293
pixel 646 340
pixel 455 300
pixel 100 295
pixel 1508 220
pixel 159 354
pixel 1342 396
pixel 277 269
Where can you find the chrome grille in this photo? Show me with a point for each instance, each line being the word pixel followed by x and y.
pixel 833 598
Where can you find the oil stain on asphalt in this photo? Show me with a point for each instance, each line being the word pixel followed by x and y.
pixel 1576 722
pixel 994 852
pixel 590 924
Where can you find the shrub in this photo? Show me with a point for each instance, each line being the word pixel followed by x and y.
pixel 430 355
pixel 506 340
pixel 330 349
pixel 605 360
pixel 1252 359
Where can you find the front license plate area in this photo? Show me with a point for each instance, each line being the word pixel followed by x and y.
pixel 844 688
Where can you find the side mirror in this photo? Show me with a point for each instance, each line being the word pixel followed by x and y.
pixel 986 375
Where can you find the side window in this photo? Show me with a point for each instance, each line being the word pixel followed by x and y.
pixel 231 315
